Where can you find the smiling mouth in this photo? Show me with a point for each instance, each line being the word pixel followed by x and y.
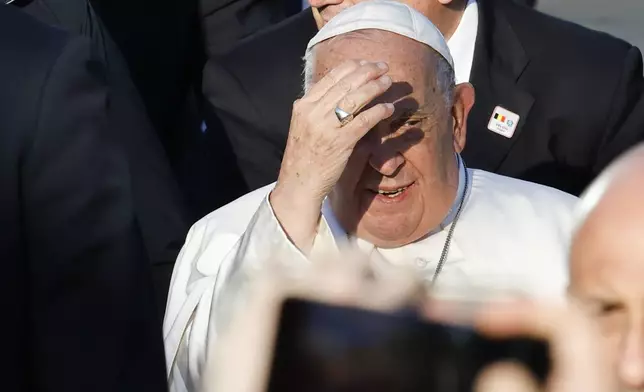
pixel 393 193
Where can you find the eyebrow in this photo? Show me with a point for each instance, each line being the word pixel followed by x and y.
pixel 417 114
pixel 412 114
pixel 595 300
pixel 426 109
pixel 595 297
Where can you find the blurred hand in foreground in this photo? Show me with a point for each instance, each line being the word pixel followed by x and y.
pixel 240 360
pixel 241 357
pixel 578 362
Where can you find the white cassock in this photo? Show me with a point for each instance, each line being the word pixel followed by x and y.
pixel 511 235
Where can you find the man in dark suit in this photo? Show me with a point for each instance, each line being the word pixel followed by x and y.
pixel 552 97
pixel 77 300
pixel 158 204
pixel 165 44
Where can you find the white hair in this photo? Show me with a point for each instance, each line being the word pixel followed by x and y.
pixel 444 75
pixel 309 62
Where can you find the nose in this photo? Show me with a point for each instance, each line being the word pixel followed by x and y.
pixel 385 159
pixel 631 361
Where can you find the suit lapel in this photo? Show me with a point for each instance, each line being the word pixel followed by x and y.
pixel 499 61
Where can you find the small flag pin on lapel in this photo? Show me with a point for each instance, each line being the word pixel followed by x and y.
pixel 503 122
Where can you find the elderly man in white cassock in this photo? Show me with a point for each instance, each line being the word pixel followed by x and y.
pixel 372 163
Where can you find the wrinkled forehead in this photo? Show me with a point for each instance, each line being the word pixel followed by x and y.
pixel 412 64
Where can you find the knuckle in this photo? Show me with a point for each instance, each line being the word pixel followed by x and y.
pixel 363 120
pixel 310 117
pixel 375 86
pixel 297 105
pixel 344 86
pixel 382 110
pixel 331 77
pixel 348 104
pixel 373 71
pixel 351 64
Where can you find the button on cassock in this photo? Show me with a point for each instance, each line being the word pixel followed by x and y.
pixel 422 263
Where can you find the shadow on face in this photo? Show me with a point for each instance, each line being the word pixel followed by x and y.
pixel 401 179
pixel 379 159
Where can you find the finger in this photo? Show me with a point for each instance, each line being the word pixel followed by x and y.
pixel 240 355
pixel 350 280
pixel 341 279
pixel 377 289
pixel 457 305
pixel 336 281
pixel 579 362
pixel 324 3
pixel 509 318
pixel 365 121
pixel 351 82
pixel 319 89
pixel 319 21
pixel 354 101
pixel 451 311
pixel 327 279
pixel 505 377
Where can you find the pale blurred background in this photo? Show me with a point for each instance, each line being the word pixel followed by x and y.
pixel 621 18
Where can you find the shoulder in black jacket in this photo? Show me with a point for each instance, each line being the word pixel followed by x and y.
pixel 77 297
pixel 158 204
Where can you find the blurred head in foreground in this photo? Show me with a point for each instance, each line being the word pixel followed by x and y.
pixel 607 263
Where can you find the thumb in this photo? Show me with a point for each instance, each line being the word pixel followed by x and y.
pixel 324 3
pixel 505 377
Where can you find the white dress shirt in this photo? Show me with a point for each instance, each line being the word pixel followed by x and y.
pixel 463 41
pixel 511 235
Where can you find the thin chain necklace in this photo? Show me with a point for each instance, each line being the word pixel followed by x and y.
pixel 448 240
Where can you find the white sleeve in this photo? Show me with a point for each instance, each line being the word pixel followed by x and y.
pixel 209 261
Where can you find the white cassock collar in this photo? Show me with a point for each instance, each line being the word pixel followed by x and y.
pixel 463 42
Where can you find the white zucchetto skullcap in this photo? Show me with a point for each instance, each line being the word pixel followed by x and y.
pixel 385 15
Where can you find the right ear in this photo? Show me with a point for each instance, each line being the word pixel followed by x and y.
pixel 464 97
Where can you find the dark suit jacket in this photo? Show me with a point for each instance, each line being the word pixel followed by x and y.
pixel 166 44
pixel 77 300
pixel 162 45
pixel 225 22
pixel 573 88
pixel 158 203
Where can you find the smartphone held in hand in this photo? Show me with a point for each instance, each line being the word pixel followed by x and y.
pixel 325 348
